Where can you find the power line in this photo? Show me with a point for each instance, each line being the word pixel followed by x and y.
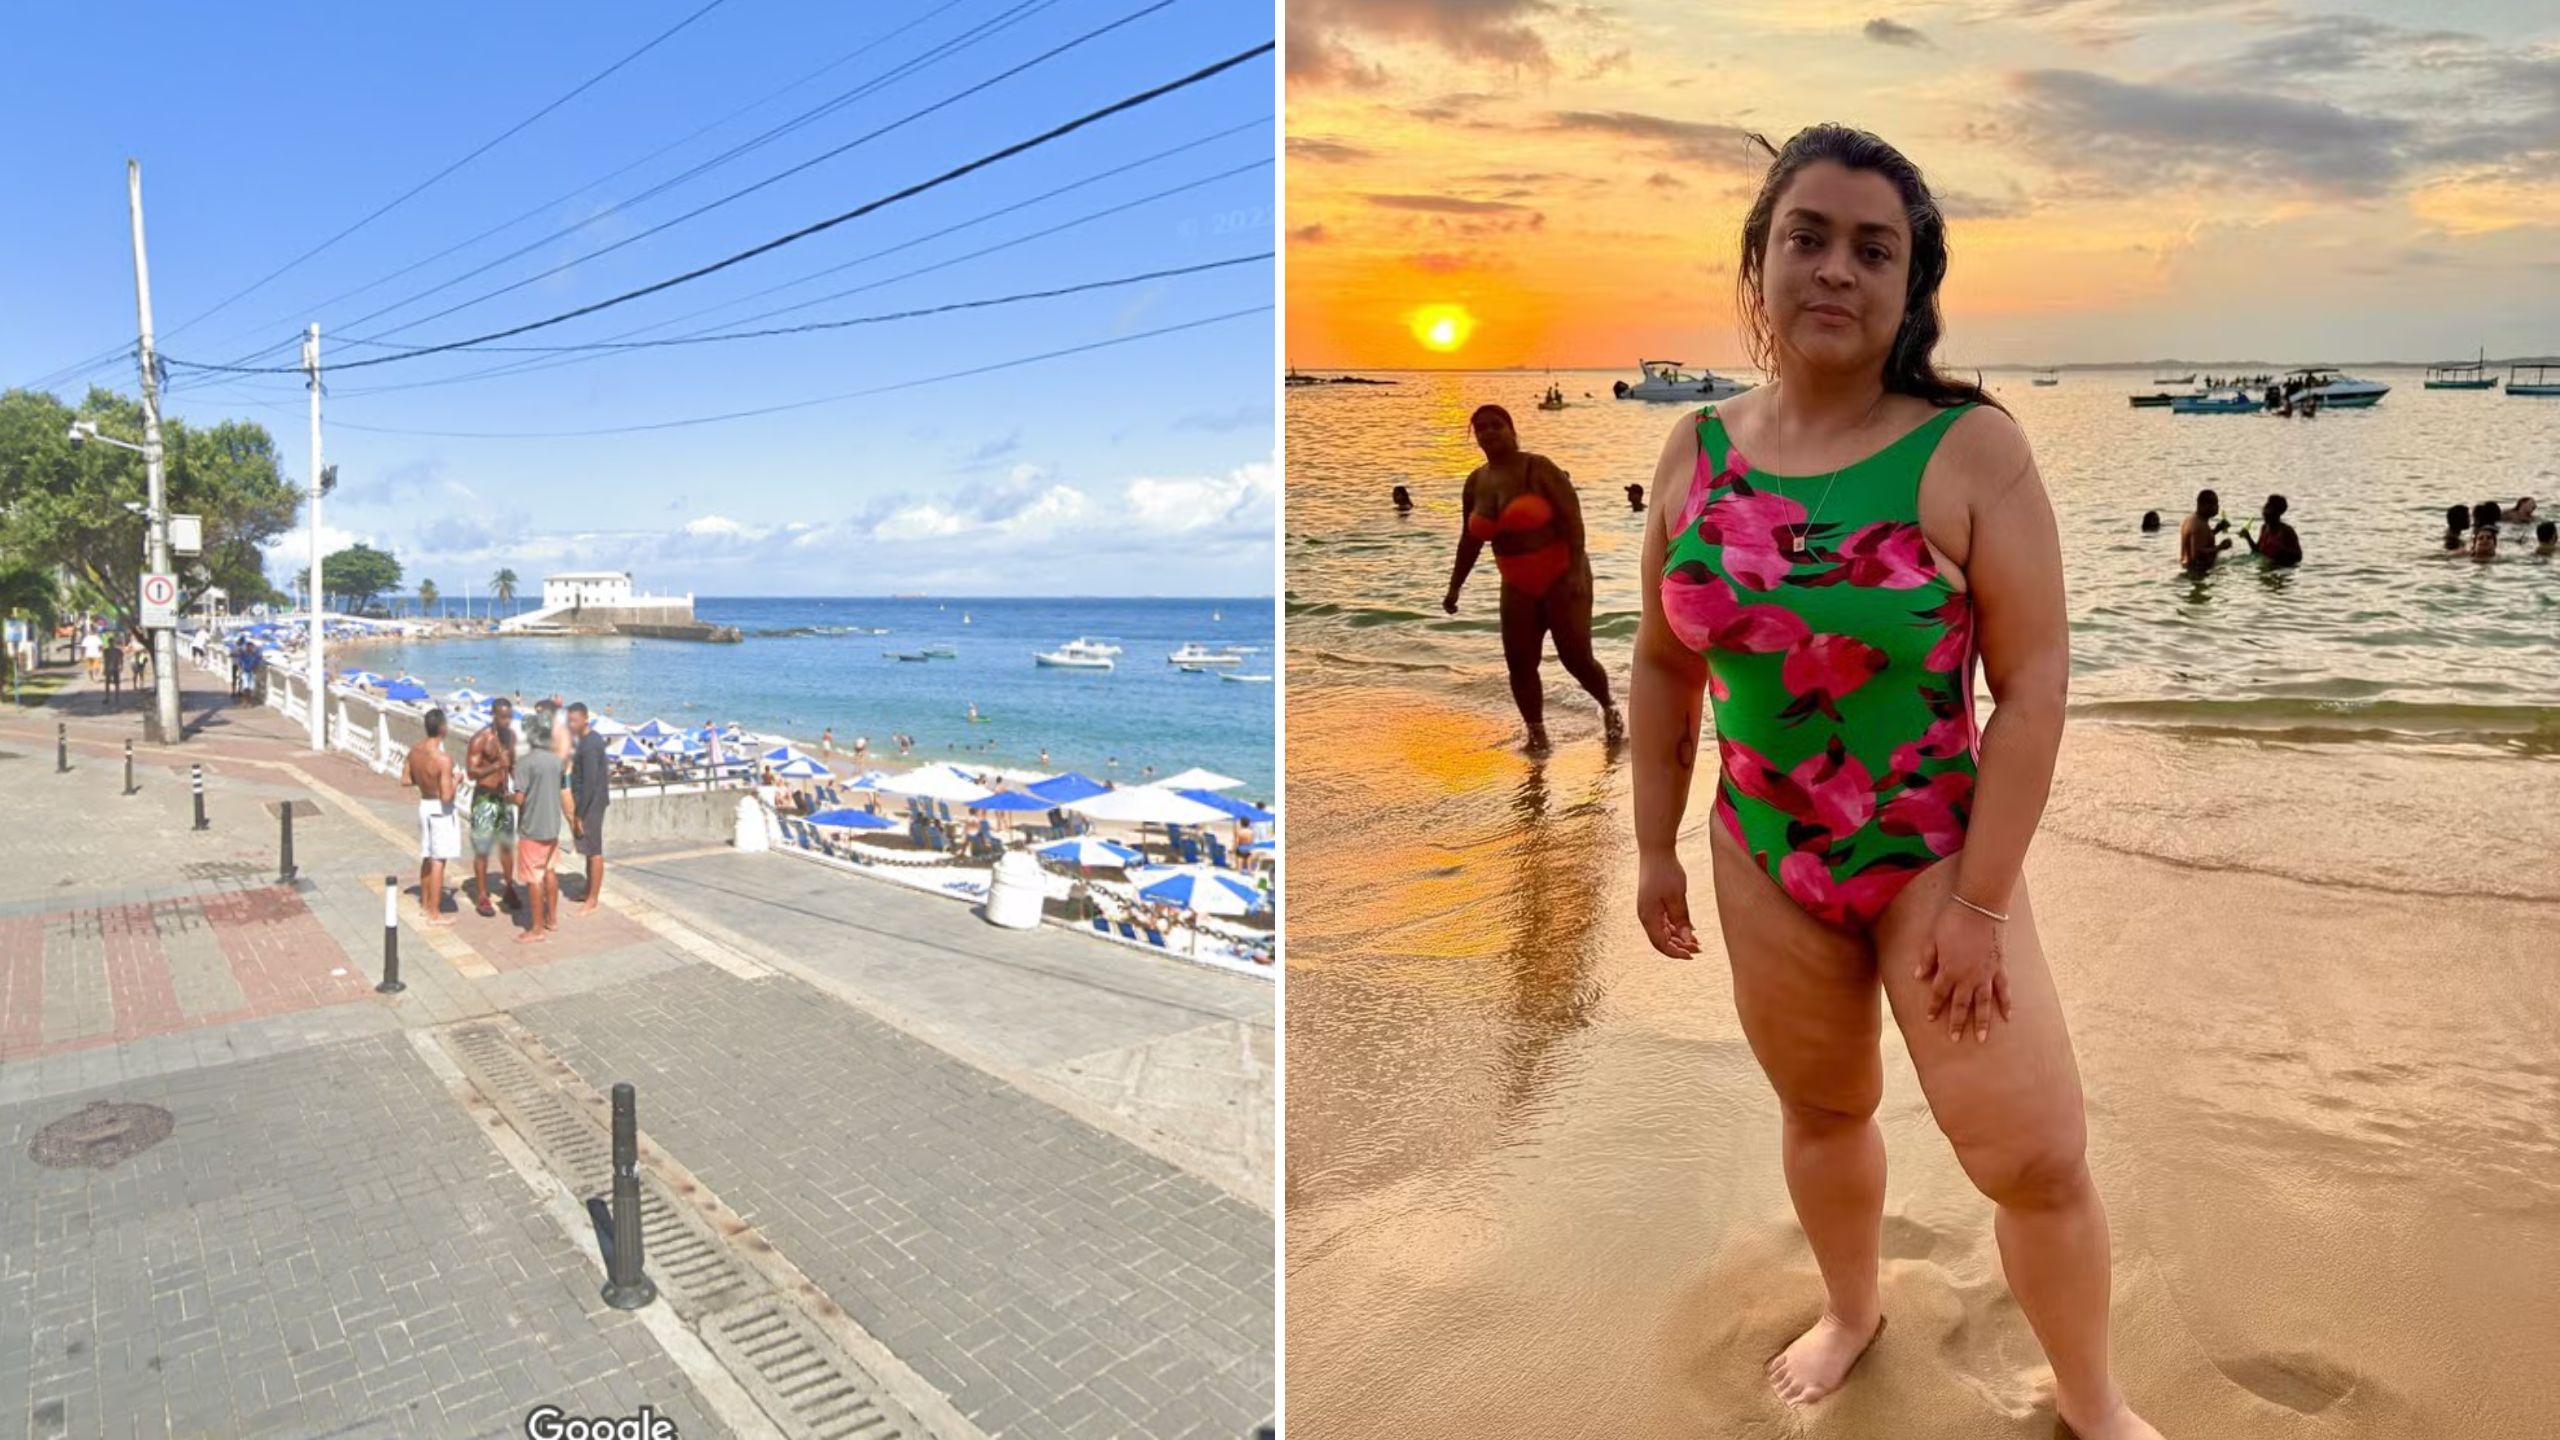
pixel 106 355
pixel 819 399
pixel 1143 97
pixel 736 195
pixel 848 57
pixel 904 70
pixel 519 367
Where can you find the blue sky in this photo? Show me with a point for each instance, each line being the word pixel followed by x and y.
pixel 1143 468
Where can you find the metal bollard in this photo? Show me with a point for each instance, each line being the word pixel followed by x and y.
pixel 128 767
pixel 284 867
pixel 390 937
pixel 196 777
pixel 626 1287
pixel 61 748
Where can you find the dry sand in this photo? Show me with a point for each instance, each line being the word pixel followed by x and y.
pixel 1533 1182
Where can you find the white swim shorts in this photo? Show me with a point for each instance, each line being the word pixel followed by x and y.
pixel 439 831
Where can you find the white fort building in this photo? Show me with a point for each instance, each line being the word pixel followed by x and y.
pixel 602 602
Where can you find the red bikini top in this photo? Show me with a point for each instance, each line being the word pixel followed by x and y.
pixel 1525 512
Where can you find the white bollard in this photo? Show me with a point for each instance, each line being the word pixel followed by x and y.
pixel 752 835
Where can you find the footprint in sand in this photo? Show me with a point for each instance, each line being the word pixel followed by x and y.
pixel 2306 1383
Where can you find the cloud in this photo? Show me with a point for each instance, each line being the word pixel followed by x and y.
pixel 2159 135
pixel 1314 234
pixel 1964 205
pixel 1443 204
pixel 1696 142
pixel 1665 180
pixel 1894 32
pixel 1439 262
pixel 1613 61
pixel 1500 31
pixel 989 452
pixel 1324 151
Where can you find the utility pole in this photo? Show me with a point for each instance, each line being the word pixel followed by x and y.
pixel 164 640
pixel 317 672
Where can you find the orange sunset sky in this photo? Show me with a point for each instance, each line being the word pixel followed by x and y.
pixel 1562 184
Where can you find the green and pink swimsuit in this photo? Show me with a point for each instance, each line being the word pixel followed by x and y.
pixel 1840 662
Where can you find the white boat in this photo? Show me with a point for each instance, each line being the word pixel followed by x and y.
pixel 2335 389
pixel 2047 377
pixel 2224 401
pixel 1196 653
pixel 1067 657
pixel 1089 646
pixel 1665 380
pixel 1247 679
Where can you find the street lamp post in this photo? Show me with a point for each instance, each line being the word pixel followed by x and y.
pixel 164 639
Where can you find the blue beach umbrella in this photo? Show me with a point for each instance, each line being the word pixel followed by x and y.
pixel 404 690
pixel 654 729
pixel 1011 800
pixel 1085 850
pixel 629 747
pixel 1067 789
pixel 784 755
pixel 803 768
pixel 853 820
pixel 1190 887
pixel 1241 809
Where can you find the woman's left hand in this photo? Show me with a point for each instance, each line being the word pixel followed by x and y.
pixel 1961 965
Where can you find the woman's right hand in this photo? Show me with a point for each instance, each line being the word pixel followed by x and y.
pixel 1662 906
pixel 1449 602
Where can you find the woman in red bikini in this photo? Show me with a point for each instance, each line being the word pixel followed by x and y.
pixel 1524 507
pixel 1833 555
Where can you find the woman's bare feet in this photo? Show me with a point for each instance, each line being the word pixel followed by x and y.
pixel 2119 1423
pixel 1537 740
pixel 1613 725
pixel 1821 1358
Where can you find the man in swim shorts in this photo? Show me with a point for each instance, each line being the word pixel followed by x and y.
pixel 439 824
pixel 590 773
pixel 491 761
pixel 542 787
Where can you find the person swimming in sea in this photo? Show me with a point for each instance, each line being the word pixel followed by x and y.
pixel 2484 530
pixel 1635 497
pixel 2277 543
pixel 1403 499
pixel 2150 522
pixel 2457 520
pixel 2546 538
pixel 2521 513
pixel 1524 506
pixel 2198 546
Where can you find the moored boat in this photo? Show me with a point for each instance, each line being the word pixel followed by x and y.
pixel 2473 375
pixel 1665 380
pixel 2216 402
pixel 1196 653
pixel 2336 390
pixel 2534 378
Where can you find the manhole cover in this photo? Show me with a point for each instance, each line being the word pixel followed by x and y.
pixel 222 869
pixel 100 1136
pixel 8 755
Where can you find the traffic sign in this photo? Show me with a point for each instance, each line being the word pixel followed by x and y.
pixel 159 601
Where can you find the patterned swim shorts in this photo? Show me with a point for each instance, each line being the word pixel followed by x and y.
pixel 493 822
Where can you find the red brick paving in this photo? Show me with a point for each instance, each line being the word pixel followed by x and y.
pixel 146 1003
pixel 21 982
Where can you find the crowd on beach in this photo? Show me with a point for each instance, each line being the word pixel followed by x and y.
pixel 2470 530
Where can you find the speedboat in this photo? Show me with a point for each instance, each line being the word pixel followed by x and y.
pixel 1089 646
pixel 1665 380
pixel 1068 657
pixel 2334 388
pixel 2224 401
pixel 1196 653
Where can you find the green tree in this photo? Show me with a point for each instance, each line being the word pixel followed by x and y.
pixel 26 592
pixel 64 506
pixel 427 596
pixel 360 573
pixel 503 585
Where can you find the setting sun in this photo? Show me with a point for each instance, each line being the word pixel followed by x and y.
pixel 1443 327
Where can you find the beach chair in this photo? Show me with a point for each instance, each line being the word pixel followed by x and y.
pixel 1217 853
pixel 1156 939
pixel 1125 932
pixel 1188 849
pixel 1101 926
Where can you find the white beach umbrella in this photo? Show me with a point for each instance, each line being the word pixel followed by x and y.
pixel 1196 888
pixel 1196 778
pixel 1147 805
pixel 935 782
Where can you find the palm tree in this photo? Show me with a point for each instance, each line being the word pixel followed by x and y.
pixel 426 595
pixel 503 585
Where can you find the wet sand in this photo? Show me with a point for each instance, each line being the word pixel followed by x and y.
pixel 1533 1180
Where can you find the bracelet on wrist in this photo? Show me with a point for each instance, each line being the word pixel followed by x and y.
pixel 1982 910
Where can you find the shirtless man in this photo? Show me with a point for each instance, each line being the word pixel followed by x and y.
pixel 439 825
pixel 491 761
pixel 2199 544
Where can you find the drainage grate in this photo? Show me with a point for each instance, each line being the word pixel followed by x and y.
pixel 795 1371
pixel 224 870
pixel 100 1136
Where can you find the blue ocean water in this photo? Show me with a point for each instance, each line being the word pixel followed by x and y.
pixel 808 664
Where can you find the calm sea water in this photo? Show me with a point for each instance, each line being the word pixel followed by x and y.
pixel 2376 627
pixel 810 664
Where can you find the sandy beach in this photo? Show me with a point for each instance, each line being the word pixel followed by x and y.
pixel 1533 1180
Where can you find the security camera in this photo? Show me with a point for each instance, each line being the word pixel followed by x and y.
pixel 79 433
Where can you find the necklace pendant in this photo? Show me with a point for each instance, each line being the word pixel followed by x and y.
pixel 1798 549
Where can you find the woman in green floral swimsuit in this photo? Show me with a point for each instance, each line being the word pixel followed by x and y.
pixel 1830 557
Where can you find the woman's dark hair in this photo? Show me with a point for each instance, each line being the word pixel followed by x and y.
pixel 2150 520
pixel 1910 367
pixel 1482 411
pixel 2485 513
pixel 2547 531
pixel 2457 518
pixel 2275 507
